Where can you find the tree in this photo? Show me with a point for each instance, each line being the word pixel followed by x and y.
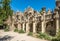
pixel 5 10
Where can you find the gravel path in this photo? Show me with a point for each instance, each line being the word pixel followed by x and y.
pixel 12 36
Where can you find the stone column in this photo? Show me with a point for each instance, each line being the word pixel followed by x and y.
pixel 12 26
pixel 57 22
pixel 43 22
pixel 34 27
pixel 19 26
pixel 57 25
pixel 27 27
pixel 43 27
pixel 23 26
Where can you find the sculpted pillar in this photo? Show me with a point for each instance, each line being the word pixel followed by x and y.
pixel 43 22
pixel 12 26
pixel 23 26
pixel 57 22
pixel 57 25
pixel 27 27
pixel 43 27
pixel 34 27
pixel 19 26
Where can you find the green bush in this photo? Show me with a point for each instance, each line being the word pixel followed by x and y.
pixel 57 37
pixel 54 39
pixel 6 29
pixel 44 36
pixel 16 30
pixel 21 31
pixel 30 33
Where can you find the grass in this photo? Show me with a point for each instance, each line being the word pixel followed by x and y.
pixel 44 36
pixel 21 31
pixel 16 30
pixel 30 33
pixel 57 38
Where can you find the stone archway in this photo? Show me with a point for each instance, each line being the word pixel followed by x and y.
pixel 38 27
pixel 50 28
pixel 25 27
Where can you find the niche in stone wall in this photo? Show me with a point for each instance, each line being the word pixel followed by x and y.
pixel 15 25
pixel 38 27
pixel 31 27
pixel 50 28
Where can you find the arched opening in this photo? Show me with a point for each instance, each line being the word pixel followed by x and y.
pixel 38 27
pixel 25 27
pixel 31 27
pixel 15 25
pixel 50 28
pixel 21 26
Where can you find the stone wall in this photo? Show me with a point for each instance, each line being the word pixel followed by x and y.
pixel 33 21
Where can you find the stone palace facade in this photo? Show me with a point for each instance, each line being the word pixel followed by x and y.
pixel 33 21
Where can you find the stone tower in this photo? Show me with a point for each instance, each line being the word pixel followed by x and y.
pixel 58 5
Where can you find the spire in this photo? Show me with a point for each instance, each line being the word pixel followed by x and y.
pixel 29 8
pixel 44 8
pixel 56 9
pixel 49 11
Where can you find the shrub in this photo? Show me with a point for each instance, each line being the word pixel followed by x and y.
pixel 21 31
pixel 44 36
pixel 16 30
pixel 6 29
pixel 54 39
pixel 30 33
pixel 57 37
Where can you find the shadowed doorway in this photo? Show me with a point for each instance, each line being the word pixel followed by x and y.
pixel 38 27
pixel 50 28
pixel 31 26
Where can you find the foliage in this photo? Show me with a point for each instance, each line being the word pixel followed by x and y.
pixel 16 30
pixel 54 39
pixel 58 35
pixel 44 36
pixel 30 33
pixel 21 31
pixel 5 10
pixel 57 38
pixel 6 29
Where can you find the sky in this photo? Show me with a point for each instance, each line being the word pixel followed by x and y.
pixel 21 5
